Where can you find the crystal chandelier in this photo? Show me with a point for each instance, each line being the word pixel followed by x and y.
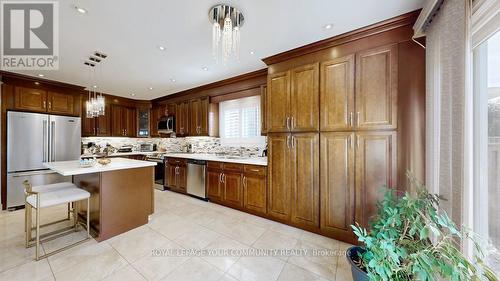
pixel 95 105
pixel 226 23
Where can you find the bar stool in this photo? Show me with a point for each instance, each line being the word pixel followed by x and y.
pixel 38 197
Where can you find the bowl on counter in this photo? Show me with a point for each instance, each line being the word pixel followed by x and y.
pixel 87 161
pixel 104 161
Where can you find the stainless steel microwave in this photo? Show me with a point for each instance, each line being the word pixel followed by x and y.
pixel 166 124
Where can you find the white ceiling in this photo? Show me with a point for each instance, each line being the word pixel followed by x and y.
pixel 130 31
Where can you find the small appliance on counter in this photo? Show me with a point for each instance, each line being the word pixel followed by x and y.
pixel 125 148
pixel 147 147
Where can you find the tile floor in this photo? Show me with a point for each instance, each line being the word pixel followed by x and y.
pixel 180 223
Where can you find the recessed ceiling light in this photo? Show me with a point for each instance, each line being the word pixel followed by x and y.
pixel 95 86
pixel 132 95
pixel 80 10
pixel 162 48
pixel 37 83
pixel 151 88
pixel 172 79
pixel 205 68
pixel 328 26
pixel 252 52
pixel 41 75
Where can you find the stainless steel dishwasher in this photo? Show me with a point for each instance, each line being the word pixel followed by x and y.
pixel 196 178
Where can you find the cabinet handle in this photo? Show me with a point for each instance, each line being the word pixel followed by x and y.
pixel 50 105
pixel 357 119
pixel 350 119
pixel 220 177
pixel 244 181
pixel 357 141
pixel 44 104
pixel 293 142
pixel 223 178
pixel 292 122
pixel 350 142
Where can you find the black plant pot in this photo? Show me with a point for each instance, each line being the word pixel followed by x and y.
pixel 352 255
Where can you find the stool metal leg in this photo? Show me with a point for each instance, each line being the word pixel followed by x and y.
pixel 37 227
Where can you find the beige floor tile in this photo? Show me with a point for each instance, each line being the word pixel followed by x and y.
pixel 14 253
pixel 197 238
pixel 294 273
pixel 127 273
pixel 31 271
pixel 286 229
pixel 228 251
pixel 320 240
pixel 343 270
pixel 245 233
pixel 272 240
pixel 87 262
pixel 193 270
pixel 137 243
pixel 227 277
pixel 318 263
pixel 157 267
pixel 257 269
pixel 66 240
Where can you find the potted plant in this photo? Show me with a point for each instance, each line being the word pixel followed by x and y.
pixel 411 239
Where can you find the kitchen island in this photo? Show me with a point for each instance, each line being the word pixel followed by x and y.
pixel 121 197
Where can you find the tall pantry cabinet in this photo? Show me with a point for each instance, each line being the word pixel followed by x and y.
pixel 332 138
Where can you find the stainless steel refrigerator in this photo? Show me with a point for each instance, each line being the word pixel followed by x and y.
pixel 34 138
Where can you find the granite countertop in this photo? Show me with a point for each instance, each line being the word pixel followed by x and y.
pixel 262 161
pixel 70 168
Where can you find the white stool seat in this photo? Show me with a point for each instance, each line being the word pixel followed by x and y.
pixel 58 196
pixel 51 187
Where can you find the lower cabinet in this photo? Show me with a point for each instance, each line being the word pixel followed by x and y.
pixel 237 185
pixel 176 174
pixel 293 189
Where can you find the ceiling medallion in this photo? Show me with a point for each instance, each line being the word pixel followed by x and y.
pixel 226 23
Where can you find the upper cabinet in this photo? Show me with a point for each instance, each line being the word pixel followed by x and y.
pixel 182 118
pixel 376 88
pixel 123 121
pixel 304 99
pixel 39 100
pixel 198 117
pixel 293 100
pixel 263 109
pixel 337 94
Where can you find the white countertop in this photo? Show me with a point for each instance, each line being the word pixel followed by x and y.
pixel 262 161
pixel 132 153
pixel 70 168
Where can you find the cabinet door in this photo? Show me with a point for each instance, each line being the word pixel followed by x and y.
pixel 30 99
pixel 59 103
pixel 254 193
pixel 194 117
pixel 233 191
pixel 170 109
pixel 130 122
pixel 304 98
pixel 337 94
pixel 375 169
pixel 182 178
pixel 214 187
pixel 204 117
pixel 153 128
pixel 104 123
pixel 170 175
pixel 182 119
pixel 305 179
pixel 263 110
pixel 117 121
pixel 279 177
pixel 376 88
pixel 278 102
pixel 337 183
pixel 88 127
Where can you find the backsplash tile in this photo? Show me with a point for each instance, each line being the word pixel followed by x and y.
pixel 206 145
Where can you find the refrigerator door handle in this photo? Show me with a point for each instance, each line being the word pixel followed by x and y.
pixel 52 142
pixel 45 141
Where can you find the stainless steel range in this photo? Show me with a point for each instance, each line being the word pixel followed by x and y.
pixel 159 169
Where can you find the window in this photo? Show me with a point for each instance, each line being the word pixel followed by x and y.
pixel 486 209
pixel 240 122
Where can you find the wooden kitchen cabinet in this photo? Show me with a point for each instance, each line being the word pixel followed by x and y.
pixel 255 188
pixel 278 102
pixel 88 127
pixel 337 94
pixel 304 98
pixel 337 183
pixel 263 110
pixel 214 185
pixel 38 100
pixel 376 168
pixel 123 121
pixel 376 88
pixel 96 126
pixel 198 117
pixel 182 119
pixel 176 174
pixel 233 189
pixel 279 176
pixel 294 178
